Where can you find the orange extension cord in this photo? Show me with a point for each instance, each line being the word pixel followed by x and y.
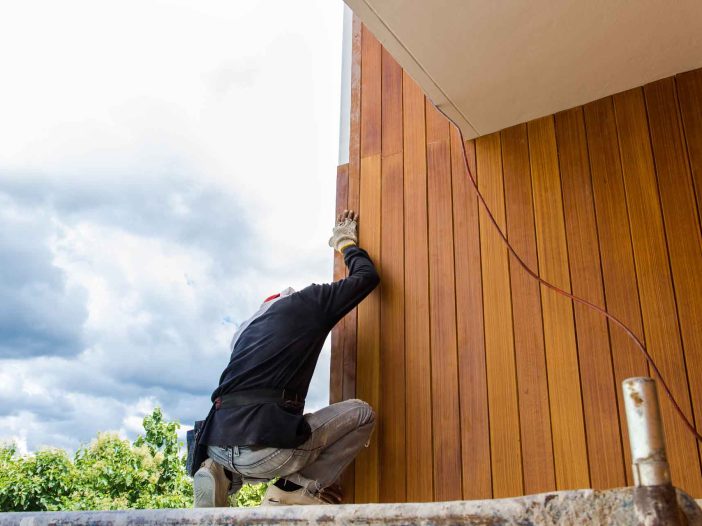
pixel 562 292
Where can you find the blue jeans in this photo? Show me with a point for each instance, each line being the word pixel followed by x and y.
pixel 339 431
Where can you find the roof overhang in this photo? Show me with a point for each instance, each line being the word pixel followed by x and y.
pixel 489 64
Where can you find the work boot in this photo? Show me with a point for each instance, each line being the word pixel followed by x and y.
pixel 332 494
pixel 210 486
pixel 278 497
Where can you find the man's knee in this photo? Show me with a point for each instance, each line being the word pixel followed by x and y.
pixel 366 415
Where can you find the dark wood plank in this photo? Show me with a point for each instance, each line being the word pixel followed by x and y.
pixel 534 412
pixel 391 426
pixel 497 311
pixel 442 309
pixel 654 279
pixel 354 181
pixel 336 372
pixel 472 374
pixel 616 255
pixel 567 423
pixel 682 228
pixel 689 88
pixel 350 321
pixel 417 344
pixel 596 370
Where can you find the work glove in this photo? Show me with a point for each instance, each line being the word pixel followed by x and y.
pixel 345 233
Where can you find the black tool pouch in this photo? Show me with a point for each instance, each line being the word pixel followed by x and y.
pixel 197 451
pixel 192 437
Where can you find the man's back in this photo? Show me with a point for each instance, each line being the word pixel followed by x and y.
pixel 279 350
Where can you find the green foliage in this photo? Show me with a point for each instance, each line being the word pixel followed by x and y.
pixel 37 482
pixel 110 473
pixel 250 494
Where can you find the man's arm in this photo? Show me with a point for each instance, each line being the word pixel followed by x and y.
pixel 336 299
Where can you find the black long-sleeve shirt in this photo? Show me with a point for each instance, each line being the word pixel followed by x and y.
pixel 279 350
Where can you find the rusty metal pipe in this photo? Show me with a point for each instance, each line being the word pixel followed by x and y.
pixel 655 500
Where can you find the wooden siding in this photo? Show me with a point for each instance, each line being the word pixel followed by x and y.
pixel 486 384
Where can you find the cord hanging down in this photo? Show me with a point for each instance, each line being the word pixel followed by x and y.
pixel 577 299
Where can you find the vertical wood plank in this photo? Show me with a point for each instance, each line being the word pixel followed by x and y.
pixel 417 344
pixel 437 124
pixel 336 366
pixel 534 412
pixel 616 253
pixel 368 338
pixel 473 398
pixel 354 181
pixel 371 94
pixel 654 279
pixel 391 426
pixel 442 309
pixel 596 369
pixel 682 228
pixel 497 310
pixel 689 88
pixel 391 105
pixel 569 445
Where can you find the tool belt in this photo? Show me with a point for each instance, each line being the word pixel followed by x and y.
pixel 259 396
pixel 197 452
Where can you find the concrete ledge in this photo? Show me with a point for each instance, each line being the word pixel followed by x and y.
pixel 580 507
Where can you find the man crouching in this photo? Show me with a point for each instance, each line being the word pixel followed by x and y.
pixel 256 430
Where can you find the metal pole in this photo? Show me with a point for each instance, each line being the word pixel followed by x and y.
pixel 655 500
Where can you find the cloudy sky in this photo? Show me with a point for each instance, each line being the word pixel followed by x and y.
pixel 164 166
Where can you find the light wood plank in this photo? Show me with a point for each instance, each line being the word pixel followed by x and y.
pixel 497 312
pixel 534 412
pixel 682 227
pixel 368 337
pixel 391 105
pixel 417 344
pixel 596 370
pixel 371 95
pixel 654 279
pixel 472 374
pixel 567 423
pixel 391 427
pixel 442 309
pixel 437 124
pixel 616 253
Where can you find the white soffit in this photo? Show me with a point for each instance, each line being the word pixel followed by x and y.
pixel 490 64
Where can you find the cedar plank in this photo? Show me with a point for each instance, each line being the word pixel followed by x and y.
pixel 497 311
pixel 534 412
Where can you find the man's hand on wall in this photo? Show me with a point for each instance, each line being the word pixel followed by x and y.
pixel 345 233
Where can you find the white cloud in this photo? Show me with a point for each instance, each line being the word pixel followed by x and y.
pixel 165 166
